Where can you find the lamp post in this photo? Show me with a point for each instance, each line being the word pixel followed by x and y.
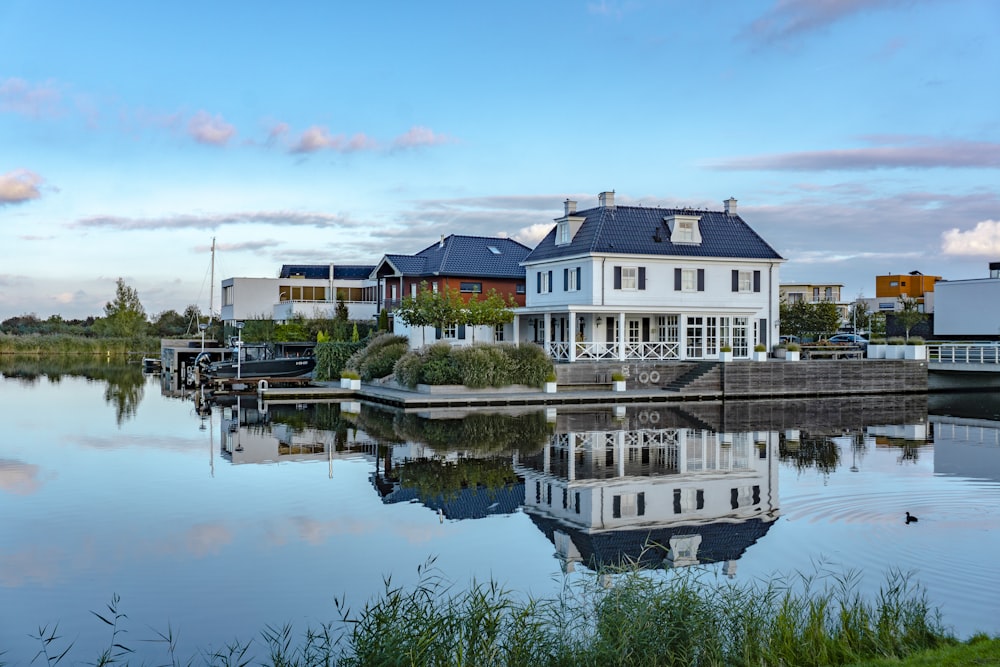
pixel 202 326
pixel 239 348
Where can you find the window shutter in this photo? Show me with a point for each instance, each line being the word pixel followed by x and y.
pixel 734 499
pixel 701 280
pixel 618 277
pixel 550 281
pixel 538 290
pixel 616 507
pixel 461 332
pixel 642 277
pixel 579 285
pixel 437 333
pixel 565 280
pixel 756 281
pixel 677 280
pixel 736 280
pixel 641 500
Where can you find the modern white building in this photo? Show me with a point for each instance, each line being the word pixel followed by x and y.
pixel 635 283
pixel 968 307
pixel 309 291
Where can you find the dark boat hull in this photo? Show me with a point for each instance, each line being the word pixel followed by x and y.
pixel 265 368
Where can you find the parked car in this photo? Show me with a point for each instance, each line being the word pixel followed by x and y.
pixel 789 339
pixel 850 339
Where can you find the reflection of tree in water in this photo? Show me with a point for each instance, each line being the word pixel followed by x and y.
pixel 480 432
pixel 818 452
pixel 125 389
pixel 125 382
pixel 432 477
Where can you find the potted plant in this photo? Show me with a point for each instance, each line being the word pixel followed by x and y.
pixel 350 380
pixel 760 352
pixel 894 350
pixel 725 352
pixel 876 348
pixel 792 351
pixel 915 348
pixel 550 383
pixel 618 381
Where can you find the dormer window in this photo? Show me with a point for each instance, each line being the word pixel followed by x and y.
pixel 683 228
pixel 563 233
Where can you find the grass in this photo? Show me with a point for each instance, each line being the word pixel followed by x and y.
pixel 622 617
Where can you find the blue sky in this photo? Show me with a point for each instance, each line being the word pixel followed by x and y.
pixel 859 136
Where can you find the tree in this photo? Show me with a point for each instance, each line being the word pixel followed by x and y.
pixel 125 317
pixel 911 315
pixel 169 323
pixel 491 311
pixel 860 316
pixel 824 319
pixel 383 320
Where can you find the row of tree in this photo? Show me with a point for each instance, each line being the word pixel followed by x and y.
pixel 447 307
pixel 822 319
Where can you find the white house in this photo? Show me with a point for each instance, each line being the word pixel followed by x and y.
pixel 310 291
pixel 640 283
pixel 968 307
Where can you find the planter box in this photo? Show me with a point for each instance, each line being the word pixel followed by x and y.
pixel 914 351
pixel 550 387
pixel 350 383
pixel 792 355
pixel 760 356
pixel 876 351
pixel 725 356
pixel 618 385
pixel 894 351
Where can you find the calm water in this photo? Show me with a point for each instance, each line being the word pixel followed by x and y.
pixel 216 523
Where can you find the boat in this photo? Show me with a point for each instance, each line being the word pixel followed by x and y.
pixel 151 365
pixel 253 361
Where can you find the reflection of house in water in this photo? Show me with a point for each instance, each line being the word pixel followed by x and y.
pixel 654 487
pixel 259 432
pixel 459 500
pixel 966 447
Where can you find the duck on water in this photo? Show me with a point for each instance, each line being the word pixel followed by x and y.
pixel 910 518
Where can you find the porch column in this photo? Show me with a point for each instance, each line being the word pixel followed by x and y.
pixel 547 333
pixel 681 337
pixel 517 330
pixel 571 456
pixel 572 336
pixel 621 336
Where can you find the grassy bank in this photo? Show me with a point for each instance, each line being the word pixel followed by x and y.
pixel 65 344
pixel 622 618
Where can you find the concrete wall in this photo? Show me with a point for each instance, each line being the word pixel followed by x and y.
pixel 967 307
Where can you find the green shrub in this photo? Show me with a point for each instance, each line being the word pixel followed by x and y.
pixel 877 341
pixel 484 366
pixel 726 348
pixel 331 358
pixel 617 377
pixel 760 347
pixel 378 357
pixel 793 347
pixel 897 340
pixel 530 364
pixel 349 375
pixel 915 340
pixel 407 369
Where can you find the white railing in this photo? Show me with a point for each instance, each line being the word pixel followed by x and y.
pixel 593 350
pixel 964 353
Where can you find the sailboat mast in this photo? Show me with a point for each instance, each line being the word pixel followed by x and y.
pixel 211 286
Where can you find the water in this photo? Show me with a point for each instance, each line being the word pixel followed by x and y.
pixel 215 524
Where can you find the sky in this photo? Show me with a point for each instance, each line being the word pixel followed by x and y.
pixel 860 137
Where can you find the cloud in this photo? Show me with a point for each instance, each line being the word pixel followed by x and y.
pixel 207 539
pixel 207 129
pixel 192 221
pixel 791 18
pixel 19 186
pixel 36 101
pixel 19 478
pixel 318 138
pixel 927 154
pixel 981 241
pixel 420 136
pixel 533 234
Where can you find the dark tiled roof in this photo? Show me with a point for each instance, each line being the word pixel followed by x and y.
pixel 632 230
pixel 468 503
pixel 322 271
pixel 459 255
pixel 720 541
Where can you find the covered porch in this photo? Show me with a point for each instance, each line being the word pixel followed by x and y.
pixel 593 335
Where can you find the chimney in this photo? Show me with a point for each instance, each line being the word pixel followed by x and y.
pixel 607 199
pixel 441 244
pixel 569 207
pixel 730 206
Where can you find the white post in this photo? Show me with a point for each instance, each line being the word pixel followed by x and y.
pixel 621 336
pixel 239 349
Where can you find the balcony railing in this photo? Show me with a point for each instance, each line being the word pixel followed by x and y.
pixel 595 350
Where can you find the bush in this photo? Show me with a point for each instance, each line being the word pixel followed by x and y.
pixel 331 358
pixel 407 369
pixel 877 341
pixel 485 366
pixel 793 347
pixel 897 340
pixel 477 366
pixel 617 377
pixel 349 375
pixel 377 359
pixel 915 340
pixel 760 347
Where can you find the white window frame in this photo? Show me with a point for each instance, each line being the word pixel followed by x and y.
pixel 449 331
pixel 685 231
pixel 571 285
pixel 630 278
pixel 745 281
pixel 689 280
pixel 546 287
pixel 563 237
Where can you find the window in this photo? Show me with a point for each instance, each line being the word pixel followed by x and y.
pixel 493 249
pixel 628 505
pixel 745 281
pixel 227 295
pixel 413 290
pixel 685 231
pixel 815 294
pixel 689 280
pixel 498 333
pixel 829 294
pixel 519 288
pixel 450 331
pixel 471 288
pixel 562 234
pixel 629 277
pixel 434 287
pixel 893 283
pixel 571 279
pixel 544 282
